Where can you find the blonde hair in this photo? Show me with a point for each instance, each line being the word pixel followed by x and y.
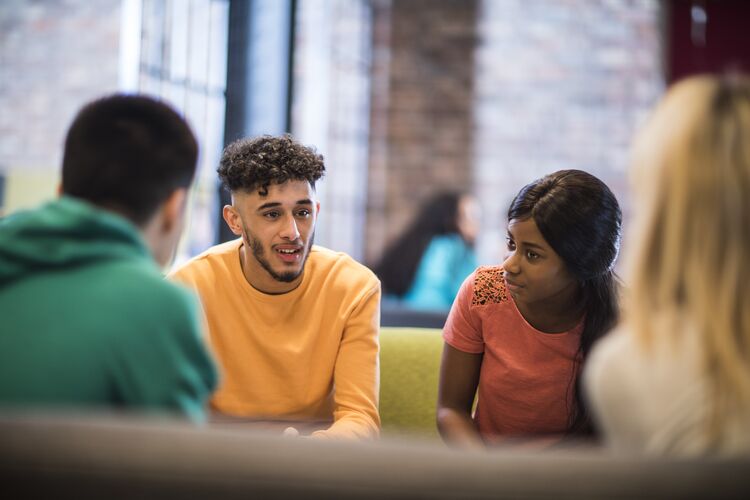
pixel 690 265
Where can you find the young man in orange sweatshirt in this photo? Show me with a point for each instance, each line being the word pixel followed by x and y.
pixel 294 326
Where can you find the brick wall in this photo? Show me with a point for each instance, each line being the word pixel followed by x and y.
pixel 559 85
pixel 421 123
pixel 489 95
pixel 54 56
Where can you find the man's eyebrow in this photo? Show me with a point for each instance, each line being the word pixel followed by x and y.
pixel 270 204
pixel 275 204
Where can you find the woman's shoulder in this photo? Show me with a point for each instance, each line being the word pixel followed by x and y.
pixel 451 240
pixel 488 286
pixel 615 363
pixel 615 345
pixel 444 247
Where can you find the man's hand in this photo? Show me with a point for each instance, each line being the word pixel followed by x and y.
pixel 290 432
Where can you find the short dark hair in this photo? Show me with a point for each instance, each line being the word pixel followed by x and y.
pixel 128 153
pixel 256 163
pixel 579 217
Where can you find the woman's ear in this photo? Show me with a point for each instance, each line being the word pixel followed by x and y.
pixel 232 218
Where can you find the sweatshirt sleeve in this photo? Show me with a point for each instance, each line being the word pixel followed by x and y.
pixel 357 373
pixel 165 366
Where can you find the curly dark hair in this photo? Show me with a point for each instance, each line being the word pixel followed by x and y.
pixel 258 162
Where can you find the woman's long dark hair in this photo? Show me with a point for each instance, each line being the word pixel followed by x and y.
pixel 398 265
pixel 581 220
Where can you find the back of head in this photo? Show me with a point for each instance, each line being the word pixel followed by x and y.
pixel 256 163
pixel 439 215
pixel 128 153
pixel 581 220
pixel 691 178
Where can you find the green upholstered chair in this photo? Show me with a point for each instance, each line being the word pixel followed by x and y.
pixel 409 369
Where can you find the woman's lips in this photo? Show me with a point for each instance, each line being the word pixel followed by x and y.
pixel 513 286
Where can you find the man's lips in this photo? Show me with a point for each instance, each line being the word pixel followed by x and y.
pixel 288 253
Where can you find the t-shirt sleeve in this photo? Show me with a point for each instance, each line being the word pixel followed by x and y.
pixel 463 328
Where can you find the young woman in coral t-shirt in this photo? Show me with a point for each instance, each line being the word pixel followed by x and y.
pixel 518 333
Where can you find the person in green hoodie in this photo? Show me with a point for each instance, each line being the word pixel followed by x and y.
pixel 86 319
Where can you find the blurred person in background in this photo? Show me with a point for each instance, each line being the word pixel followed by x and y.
pixel 87 319
pixel 674 378
pixel 424 268
pixel 518 334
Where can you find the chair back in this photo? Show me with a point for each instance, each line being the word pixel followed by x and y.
pixel 409 369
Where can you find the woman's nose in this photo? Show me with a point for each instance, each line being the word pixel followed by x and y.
pixel 510 263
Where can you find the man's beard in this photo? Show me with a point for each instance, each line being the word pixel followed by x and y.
pixel 259 254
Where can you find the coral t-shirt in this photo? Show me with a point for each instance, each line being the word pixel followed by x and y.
pixel 525 383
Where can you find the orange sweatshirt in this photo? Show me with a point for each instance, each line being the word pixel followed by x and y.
pixel 309 354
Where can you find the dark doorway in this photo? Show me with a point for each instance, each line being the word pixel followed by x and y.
pixel 706 36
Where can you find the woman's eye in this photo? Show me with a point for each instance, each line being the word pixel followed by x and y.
pixel 511 244
pixel 531 255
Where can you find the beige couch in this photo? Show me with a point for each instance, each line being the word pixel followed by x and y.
pixel 107 457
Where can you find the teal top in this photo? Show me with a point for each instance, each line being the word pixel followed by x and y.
pixel 444 266
pixel 88 320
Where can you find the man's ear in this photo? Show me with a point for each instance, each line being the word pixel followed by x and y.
pixel 317 208
pixel 173 208
pixel 232 218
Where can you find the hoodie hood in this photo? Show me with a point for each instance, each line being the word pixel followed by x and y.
pixel 65 233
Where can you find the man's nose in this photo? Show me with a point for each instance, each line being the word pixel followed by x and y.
pixel 290 231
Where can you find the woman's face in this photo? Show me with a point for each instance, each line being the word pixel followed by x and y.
pixel 533 271
pixel 469 215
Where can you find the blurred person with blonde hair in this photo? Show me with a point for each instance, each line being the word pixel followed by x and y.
pixel 674 378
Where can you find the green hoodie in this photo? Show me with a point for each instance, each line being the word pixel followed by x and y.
pixel 86 319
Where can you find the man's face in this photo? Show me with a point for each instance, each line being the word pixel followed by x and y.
pixel 162 233
pixel 277 231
